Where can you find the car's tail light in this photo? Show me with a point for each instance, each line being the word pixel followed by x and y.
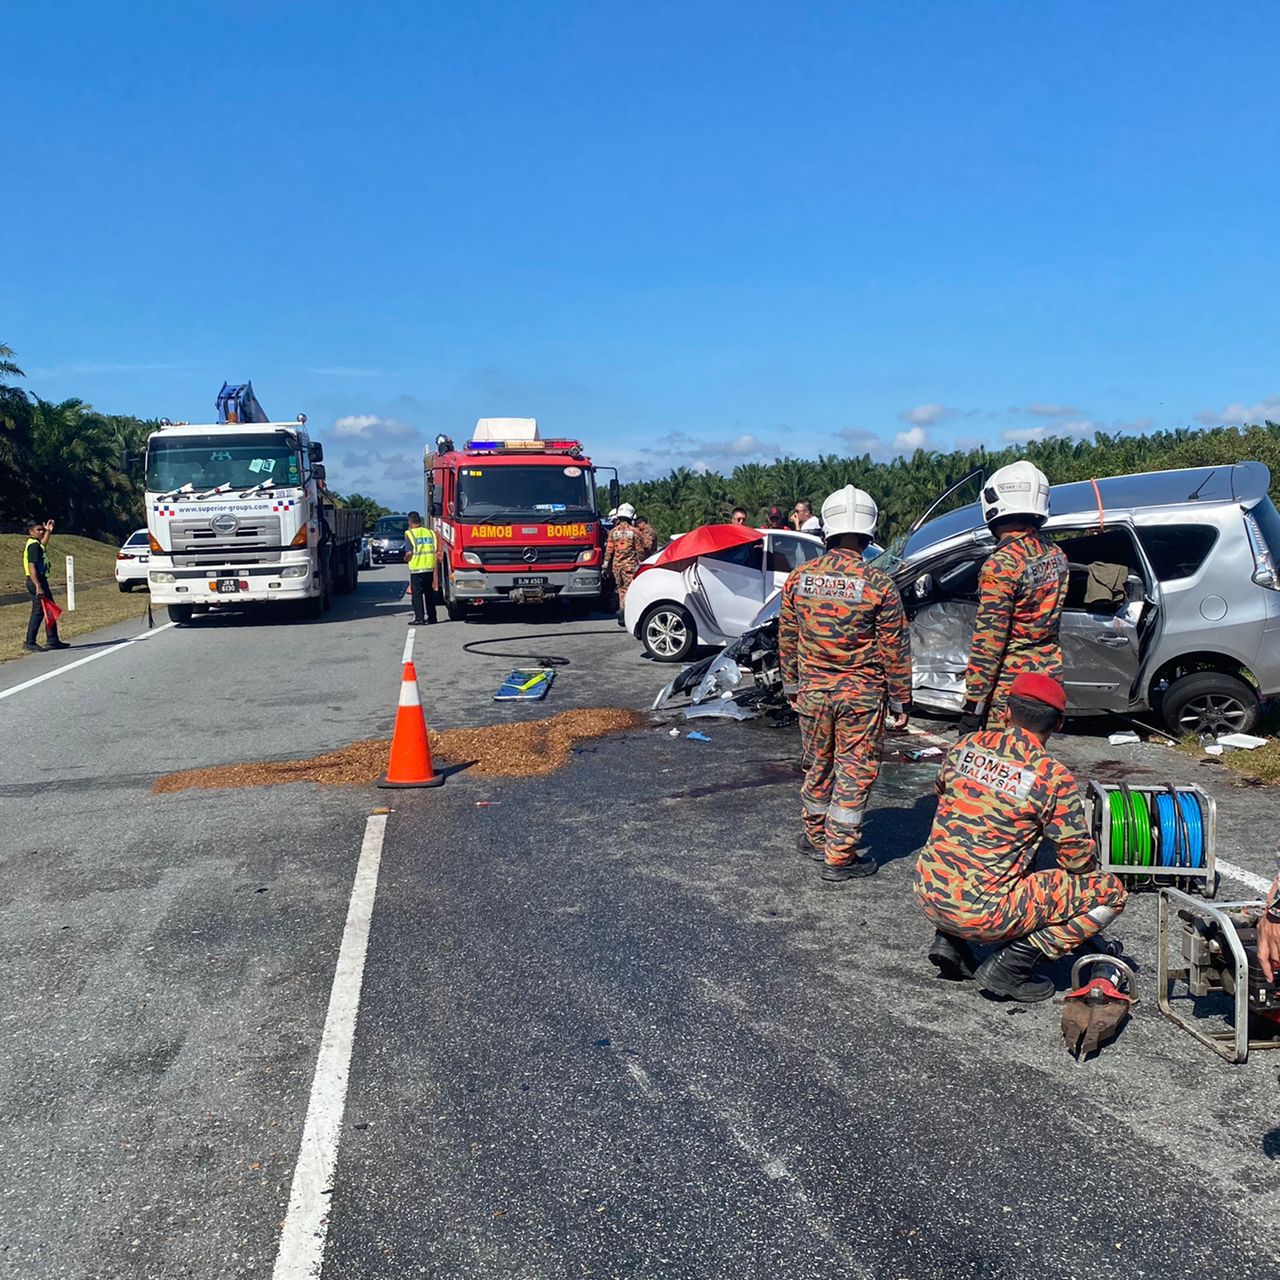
pixel 1264 565
pixel 120 555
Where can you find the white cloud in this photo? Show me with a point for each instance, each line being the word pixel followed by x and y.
pixel 1048 409
pixel 859 441
pixel 679 449
pixel 1237 414
pixel 925 415
pixel 1083 428
pixel 369 426
pixel 910 441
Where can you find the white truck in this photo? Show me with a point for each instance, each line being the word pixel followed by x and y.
pixel 237 514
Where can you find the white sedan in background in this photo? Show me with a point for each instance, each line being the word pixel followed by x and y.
pixel 132 560
pixel 713 599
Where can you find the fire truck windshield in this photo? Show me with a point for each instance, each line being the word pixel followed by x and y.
pixel 488 491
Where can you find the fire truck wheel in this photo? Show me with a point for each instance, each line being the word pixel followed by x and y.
pixel 668 633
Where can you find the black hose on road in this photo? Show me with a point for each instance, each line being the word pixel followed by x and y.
pixel 542 659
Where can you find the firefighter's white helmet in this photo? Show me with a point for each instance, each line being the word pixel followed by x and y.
pixel 626 512
pixel 849 510
pixel 613 511
pixel 1020 489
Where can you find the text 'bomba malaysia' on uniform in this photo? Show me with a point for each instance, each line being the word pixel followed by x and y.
pixel 842 630
pixel 1022 587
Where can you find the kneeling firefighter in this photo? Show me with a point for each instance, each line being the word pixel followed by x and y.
pixel 1021 590
pixel 1000 794
pixel 846 662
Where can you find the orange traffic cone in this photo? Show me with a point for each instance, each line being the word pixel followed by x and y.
pixel 410 750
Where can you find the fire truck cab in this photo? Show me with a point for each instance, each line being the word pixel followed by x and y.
pixel 518 517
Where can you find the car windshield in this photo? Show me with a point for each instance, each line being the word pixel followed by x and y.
pixel 391 527
pixel 485 492
pixel 221 461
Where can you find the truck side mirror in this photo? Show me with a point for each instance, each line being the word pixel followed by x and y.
pixel 315 451
pixel 615 493
pixel 318 471
pixel 435 509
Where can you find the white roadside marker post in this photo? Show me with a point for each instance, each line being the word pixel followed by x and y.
pixel 71 583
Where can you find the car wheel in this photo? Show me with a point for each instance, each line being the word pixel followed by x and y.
pixel 126 586
pixel 1210 702
pixel 668 633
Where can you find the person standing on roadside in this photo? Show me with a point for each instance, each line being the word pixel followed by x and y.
pixel 775 519
pixel 648 539
pixel 846 664
pixel 738 516
pixel 35 569
pixel 622 554
pixel 420 551
pixel 803 520
pixel 1022 587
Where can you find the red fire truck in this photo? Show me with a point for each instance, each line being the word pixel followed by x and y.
pixel 518 517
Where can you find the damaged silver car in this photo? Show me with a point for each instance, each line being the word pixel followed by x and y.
pixel 1173 605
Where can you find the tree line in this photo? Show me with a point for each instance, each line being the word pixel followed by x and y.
pixel 905 486
pixel 83 468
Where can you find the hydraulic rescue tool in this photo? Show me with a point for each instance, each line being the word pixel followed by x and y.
pixel 1223 981
pixel 1094 1011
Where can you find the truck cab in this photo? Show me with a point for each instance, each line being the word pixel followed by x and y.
pixel 518 517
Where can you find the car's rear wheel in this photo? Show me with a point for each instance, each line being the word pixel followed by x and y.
pixel 126 586
pixel 1210 702
pixel 668 633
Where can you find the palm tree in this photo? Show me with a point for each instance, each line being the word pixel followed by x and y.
pixel 15 441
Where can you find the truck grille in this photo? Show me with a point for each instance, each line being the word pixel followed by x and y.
pixel 513 557
pixel 255 534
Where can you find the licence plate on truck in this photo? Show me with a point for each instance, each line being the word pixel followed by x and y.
pixel 532 582
pixel 228 585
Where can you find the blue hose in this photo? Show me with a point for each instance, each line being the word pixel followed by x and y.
pixel 1169 842
pixel 1195 828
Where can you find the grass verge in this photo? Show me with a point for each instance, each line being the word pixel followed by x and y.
pixel 95 607
pixel 94 561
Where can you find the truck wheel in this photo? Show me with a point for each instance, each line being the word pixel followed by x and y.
pixel 1210 702
pixel 180 613
pixel 313 607
pixel 668 633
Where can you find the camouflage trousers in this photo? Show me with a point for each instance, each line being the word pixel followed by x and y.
pixel 623 578
pixel 1049 908
pixel 840 741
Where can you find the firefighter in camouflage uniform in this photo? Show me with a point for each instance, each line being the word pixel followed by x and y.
pixel 1000 794
pixel 622 553
pixel 846 663
pixel 1021 590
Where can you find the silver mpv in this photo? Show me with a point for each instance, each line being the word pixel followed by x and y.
pixel 1173 604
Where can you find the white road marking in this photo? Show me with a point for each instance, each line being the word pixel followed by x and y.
pixel 1245 877
pixel 408 646
pixel 155 631
pixel 306 1225
pixel 79 662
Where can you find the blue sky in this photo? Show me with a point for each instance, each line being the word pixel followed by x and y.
pixel 687 233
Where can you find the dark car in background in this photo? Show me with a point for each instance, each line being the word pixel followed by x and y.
pixel 386 542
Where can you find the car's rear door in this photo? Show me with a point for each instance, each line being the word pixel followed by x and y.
pixel 731 584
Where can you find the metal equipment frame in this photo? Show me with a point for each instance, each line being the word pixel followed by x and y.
pixel 1160 877
pixel 1233 1044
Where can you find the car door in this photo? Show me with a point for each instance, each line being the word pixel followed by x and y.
pixel 1102 644
pixel 730 585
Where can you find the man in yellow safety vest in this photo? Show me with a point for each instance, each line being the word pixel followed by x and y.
pixel 424 574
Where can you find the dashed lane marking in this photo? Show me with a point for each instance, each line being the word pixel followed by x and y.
pixel 306 1225
pixel 80 662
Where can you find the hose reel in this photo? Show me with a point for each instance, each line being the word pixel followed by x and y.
pixel 1154 836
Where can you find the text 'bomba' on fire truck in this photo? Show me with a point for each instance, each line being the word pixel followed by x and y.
pixel 518 517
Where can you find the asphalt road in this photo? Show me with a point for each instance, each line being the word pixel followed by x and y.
pixel 610 1024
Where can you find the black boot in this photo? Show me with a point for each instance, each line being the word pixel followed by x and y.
pixel 952 957
pixel 1007 973
pixel 855 869
pixel 809 849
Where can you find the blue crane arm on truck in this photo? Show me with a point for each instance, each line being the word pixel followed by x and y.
pixel 237 403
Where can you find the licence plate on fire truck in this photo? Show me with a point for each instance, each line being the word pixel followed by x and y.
pixel 532 582
pixel 227 585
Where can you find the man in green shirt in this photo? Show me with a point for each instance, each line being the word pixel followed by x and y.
pixel 424 574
